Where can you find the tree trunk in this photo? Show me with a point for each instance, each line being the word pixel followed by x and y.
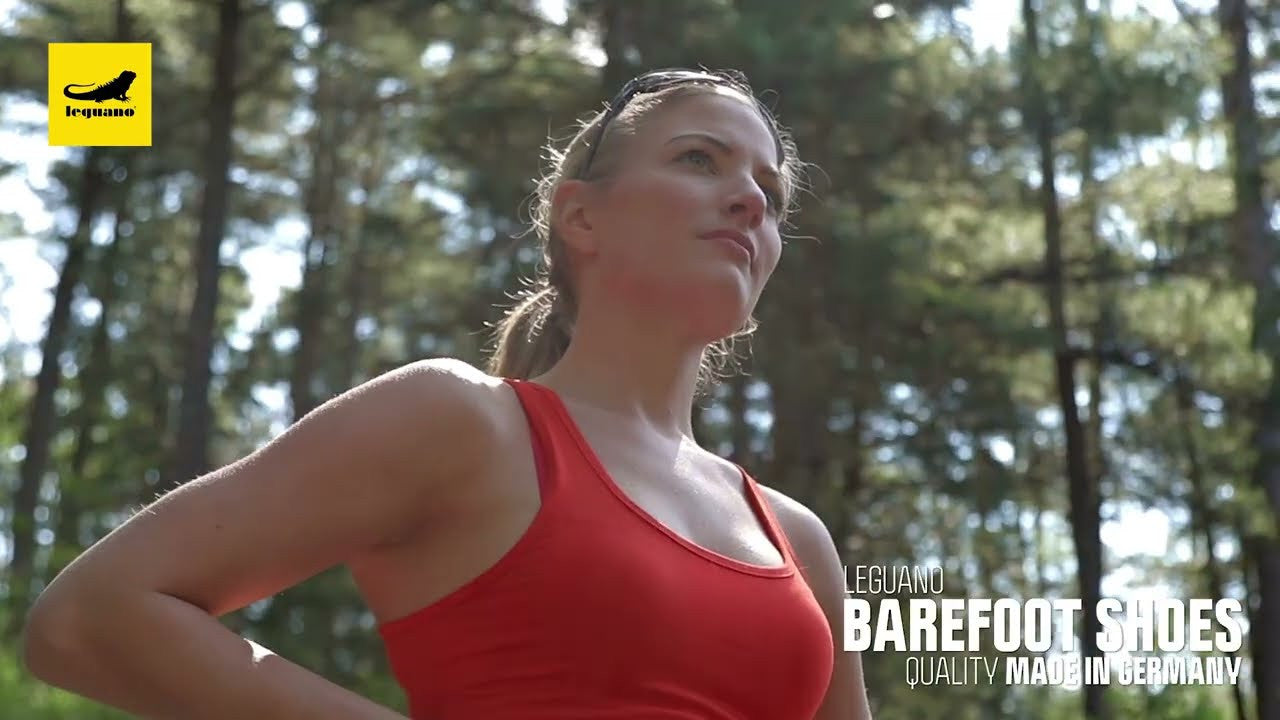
pixel 618 20
pixel 1085 503
pixel 1039 481
pixel 40 415
pixel 190 456
pixel 1256 254
pixel 1203 518
pixel 1252 593
pixel 92 392
pixel 1104 326
pixel 356 294
pixel 802 382
pixel 850 450
pixel 1096 472
pixel 362 286
pixel 315 294
pixel 40 422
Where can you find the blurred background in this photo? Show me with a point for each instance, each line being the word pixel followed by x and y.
pixel 1026 328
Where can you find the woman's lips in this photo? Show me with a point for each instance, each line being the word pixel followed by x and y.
pixel 735 237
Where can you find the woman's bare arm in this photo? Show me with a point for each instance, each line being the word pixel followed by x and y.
pixel 815 550
pixel 133 621
pixel 156 656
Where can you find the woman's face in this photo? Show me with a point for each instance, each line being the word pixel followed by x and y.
pixel 698 171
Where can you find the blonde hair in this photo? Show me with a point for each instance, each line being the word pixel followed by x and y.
pixel 535 333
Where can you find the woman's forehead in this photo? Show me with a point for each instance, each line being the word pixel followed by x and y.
pixel 719 113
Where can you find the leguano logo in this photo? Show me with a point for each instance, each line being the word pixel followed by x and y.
pixel 114 90
pixel 88 106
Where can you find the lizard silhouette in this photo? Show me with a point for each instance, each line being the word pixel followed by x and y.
pixel 113 90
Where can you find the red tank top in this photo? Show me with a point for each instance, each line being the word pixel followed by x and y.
pixel 600 611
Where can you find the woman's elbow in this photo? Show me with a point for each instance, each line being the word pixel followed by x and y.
pixel 49 635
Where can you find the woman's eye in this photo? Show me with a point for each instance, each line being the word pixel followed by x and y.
pixel 702 157
pixel 775 199
pixel 699 157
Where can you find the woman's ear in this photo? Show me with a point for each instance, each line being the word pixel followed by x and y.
pixel 571 215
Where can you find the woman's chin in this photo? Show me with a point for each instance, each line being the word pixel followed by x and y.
pixel 714 327
pixel 708 312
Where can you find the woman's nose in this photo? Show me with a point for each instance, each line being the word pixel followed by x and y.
pixel 748 201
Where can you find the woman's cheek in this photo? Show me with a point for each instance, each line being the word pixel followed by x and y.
pixel 684 188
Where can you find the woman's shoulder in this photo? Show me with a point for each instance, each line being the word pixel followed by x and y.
pixel 472 392
pixel 795 516
pixel 787 508
pixel 444 411
pixel 446 383
pixel 807 533
pixel 454 368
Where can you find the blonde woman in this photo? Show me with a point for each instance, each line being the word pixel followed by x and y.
pixel 542 539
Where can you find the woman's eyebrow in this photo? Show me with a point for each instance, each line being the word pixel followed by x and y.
pixel 726 147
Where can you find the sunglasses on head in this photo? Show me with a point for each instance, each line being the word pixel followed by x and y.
pixel 654 81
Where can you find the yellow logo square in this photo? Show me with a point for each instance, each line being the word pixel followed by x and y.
pixel 100 94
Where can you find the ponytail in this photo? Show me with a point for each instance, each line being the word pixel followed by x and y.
pixel 533 335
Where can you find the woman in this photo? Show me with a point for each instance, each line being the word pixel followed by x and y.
pixel 541 540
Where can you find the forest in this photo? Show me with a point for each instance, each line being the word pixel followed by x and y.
pixel 1025 327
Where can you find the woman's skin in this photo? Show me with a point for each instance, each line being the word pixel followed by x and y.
pixel 422 478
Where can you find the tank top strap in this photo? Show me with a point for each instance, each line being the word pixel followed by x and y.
pixel 550 456
pixel 764 511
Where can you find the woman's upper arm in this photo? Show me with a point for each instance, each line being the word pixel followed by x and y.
pixel 352 474
pixel 846 697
